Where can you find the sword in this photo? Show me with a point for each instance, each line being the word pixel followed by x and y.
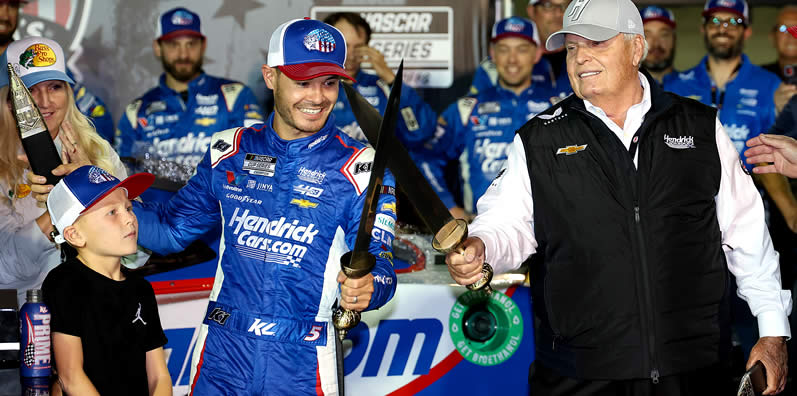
pixel 449 232
pixel 359 261
pixel 36 140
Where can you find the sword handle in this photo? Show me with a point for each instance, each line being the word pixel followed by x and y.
pixel 484 282
pixel 449 238
pixel 344 320
pixel 355 265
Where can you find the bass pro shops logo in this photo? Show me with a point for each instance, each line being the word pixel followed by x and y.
pixel 64 21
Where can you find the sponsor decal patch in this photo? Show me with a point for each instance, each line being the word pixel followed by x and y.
pixel 570 150
pixel 679 143
pixel 262 165
pixel 37 55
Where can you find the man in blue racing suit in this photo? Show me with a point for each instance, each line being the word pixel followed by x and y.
pixel 416 122
pixel 175 120
pixel 725 78
pixel 479 129
pixel 550 70
pixel 289 194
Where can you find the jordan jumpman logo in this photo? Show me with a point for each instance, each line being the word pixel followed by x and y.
pixel 138 316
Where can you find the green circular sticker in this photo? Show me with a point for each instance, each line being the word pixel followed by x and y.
pixel 486 328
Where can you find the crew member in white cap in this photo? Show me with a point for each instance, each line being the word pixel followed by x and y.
pixel 637 207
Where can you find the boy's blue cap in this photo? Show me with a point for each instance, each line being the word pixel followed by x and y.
pixel 83 188
pixel 515 27
pixel 178 22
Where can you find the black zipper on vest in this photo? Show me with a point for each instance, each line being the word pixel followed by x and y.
pixel 651 337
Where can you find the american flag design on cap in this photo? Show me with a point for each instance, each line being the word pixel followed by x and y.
pixel 99 175
pixel 319 40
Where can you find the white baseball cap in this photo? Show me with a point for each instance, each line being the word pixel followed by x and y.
pixel 597 20
pixel 37 59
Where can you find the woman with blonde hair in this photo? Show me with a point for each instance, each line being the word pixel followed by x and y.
pixel 27 252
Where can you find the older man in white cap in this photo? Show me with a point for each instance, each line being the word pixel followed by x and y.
pixel 637 207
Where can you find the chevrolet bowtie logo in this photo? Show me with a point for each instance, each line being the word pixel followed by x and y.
pixel 389 206
pixel 303 203
pixel 570 150
pixel 205 121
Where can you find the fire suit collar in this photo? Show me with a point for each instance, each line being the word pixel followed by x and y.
pixel 193 85
pixel 528 93
pixel 302 146
pixel 704 77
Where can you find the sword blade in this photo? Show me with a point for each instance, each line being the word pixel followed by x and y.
pixel 386 130
pixel 428 205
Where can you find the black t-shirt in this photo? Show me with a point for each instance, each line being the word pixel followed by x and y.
pixel 117 322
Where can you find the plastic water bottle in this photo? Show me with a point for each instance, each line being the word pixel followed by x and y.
pixel 34 347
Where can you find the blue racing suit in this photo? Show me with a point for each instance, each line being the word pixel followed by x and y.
pixel 161 122
pixel 478 130
pixel 486 76
pixel 746 108
pixel 416 121
pixel 180 131
pixel 289 210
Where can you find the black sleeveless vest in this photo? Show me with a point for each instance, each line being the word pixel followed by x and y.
pixel 630 278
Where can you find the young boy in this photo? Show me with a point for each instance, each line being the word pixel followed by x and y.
pixel 106 332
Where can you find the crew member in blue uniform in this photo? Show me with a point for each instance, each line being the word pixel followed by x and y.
pixel 416 122
pixel 659 26
pixel 479 129
pixel 551 68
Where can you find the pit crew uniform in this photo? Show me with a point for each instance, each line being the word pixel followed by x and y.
pixel 416 123
pixel 289 209
pixel 543 74
pixel 179 130
pixel 746 107
pixel 478 130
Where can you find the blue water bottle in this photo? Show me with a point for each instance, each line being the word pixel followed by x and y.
pixel 34 347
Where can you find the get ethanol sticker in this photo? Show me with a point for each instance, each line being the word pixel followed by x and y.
pixel 485 328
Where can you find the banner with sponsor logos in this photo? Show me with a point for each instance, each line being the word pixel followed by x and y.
pixel 407 347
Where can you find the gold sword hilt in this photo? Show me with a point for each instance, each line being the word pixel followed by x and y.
pixel 355 265
pixel 450 238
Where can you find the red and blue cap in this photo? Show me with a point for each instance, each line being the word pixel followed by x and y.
pixel 656 13
pixel 178 22
pixel 83 188
pixel 304 49
pixel 738 7
pixel 515 27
